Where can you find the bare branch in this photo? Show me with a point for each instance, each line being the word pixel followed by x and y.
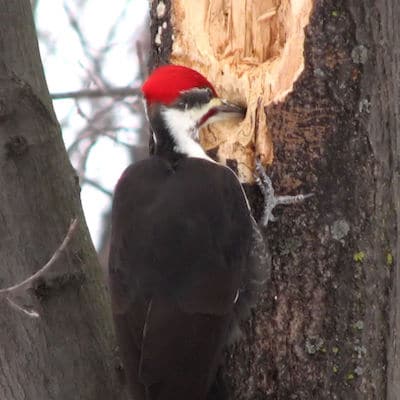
pixel 94 93
pixel 89 130
pixel 142 64
pixel 97 186
pixel 75 26
pixel 113 29
pixel 29 313
pixel 114 137
pixel 84 155
pixel 28 281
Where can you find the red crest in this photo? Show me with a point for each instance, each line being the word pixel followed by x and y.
pixel 167 82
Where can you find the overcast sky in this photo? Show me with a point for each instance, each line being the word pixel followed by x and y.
pixel 66 65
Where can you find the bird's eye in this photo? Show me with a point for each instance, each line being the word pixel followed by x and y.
pixel 181 104
pixel 209 92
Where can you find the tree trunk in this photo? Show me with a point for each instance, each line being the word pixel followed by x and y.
pixel 67 353
pixel 326 326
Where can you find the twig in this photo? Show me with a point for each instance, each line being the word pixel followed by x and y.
pixel 87 131
pixel 97 186
pixel 27 283
pixel 29 313
pixel 93 93
pixel 24 284
pixel 142 64
pixel 113 29
pixel 73 21
pixel 84 155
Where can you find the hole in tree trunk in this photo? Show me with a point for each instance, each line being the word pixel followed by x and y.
pixel 252 51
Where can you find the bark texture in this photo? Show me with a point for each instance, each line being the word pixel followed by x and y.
pixel 68 352
pixel 327 325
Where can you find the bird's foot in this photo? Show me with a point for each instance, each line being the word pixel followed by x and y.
pixel 270 200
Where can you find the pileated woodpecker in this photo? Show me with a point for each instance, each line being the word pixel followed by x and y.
pixel 181 238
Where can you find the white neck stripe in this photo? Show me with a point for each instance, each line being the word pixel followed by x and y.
pixel 183 129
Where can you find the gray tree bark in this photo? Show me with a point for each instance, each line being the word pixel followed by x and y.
pixel 67 353
pixel 327 327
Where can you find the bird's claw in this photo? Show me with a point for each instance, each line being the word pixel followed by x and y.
pixel 270 200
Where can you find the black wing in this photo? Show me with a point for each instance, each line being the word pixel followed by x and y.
pixel 180 241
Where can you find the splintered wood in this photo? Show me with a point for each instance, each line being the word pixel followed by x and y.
pixel 252 51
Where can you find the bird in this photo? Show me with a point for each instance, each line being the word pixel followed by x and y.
pixel 181 238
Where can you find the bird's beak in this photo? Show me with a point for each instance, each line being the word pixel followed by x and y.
pixel 220 110
pixel 227 110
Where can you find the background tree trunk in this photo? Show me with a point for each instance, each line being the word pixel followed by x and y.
pixel 68 352
pixel 327 327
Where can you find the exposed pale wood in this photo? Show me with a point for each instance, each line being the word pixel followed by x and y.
pixel 253 52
